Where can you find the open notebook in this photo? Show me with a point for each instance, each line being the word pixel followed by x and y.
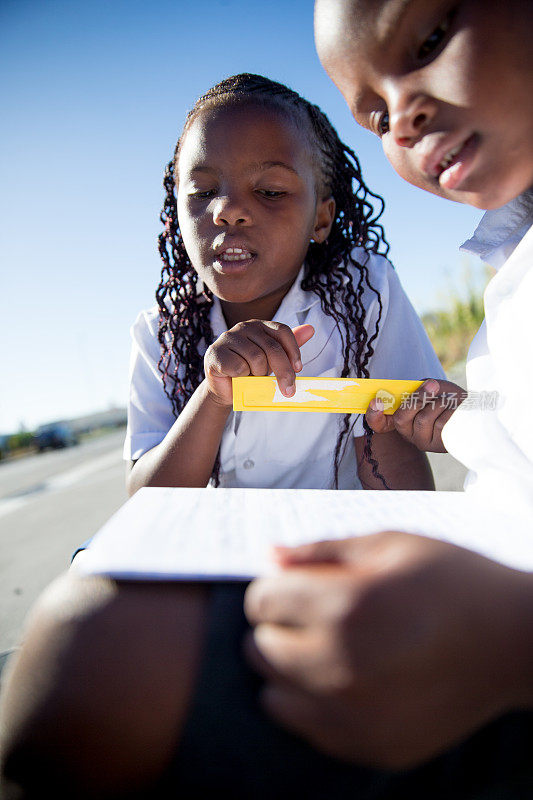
pixel 222 534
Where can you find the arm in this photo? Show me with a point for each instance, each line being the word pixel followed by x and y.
pixel 187 454
pixel 400 463
pixel 389 649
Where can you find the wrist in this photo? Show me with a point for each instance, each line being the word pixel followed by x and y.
pixel 214 400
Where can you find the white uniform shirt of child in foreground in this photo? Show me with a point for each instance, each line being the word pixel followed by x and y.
pixel 487 432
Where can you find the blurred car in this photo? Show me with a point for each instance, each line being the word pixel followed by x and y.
pixel 55 435
pixel 4 446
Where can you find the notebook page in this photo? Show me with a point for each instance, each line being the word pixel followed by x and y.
pixel 210 534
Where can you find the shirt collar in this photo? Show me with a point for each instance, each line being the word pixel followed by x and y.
pixel 501 229
pixel 297 299
pixel 216 318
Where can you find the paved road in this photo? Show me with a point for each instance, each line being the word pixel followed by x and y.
pixel 52 502
pixel 449 474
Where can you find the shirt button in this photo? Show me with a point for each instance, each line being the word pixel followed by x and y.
pixel 248 464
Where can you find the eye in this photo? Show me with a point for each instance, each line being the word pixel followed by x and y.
pixel 383 123
pixel 204 194
pixel 379 122
pixel 271 194
pixel 433 41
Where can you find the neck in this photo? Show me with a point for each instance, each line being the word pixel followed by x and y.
pixel 264 308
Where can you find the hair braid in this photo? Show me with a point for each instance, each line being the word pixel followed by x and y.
pixel 184 328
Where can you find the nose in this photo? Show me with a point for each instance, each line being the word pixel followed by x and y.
pixel 231 209
pixel 410 115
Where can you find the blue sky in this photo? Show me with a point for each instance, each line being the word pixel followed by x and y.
pixel 93 97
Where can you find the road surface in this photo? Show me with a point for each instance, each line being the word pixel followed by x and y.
pixel 50 503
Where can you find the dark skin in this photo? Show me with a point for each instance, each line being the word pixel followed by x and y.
pixel 439 78
pixel 187 454
pixel 384 650
pixel 422 419
pixel 245 181
pixel 108 731
pixel 94 703
pixel 256 192
pixel 433 674
pixel 389 649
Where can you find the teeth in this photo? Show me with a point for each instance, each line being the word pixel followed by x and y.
pixel 235 254
pixel 449 156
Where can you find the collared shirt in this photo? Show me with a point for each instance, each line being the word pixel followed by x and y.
pixel 288 449
pixel 492 434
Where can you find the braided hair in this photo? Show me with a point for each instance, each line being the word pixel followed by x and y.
pixel 184 314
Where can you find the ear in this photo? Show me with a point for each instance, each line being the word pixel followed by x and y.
pixel 325 214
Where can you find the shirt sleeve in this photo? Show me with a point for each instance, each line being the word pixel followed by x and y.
pixel 150 414
pixel 402 349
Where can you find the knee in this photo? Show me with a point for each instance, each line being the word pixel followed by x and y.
pixel 94 702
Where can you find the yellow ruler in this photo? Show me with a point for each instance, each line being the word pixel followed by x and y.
pixel 333 395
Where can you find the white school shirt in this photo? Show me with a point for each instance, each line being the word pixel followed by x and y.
pixel 492 434
pixel 288 449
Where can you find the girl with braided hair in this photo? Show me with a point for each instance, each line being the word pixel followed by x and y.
pixel 271 264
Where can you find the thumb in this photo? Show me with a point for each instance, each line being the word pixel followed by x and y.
pixel 377 420
pixel 330 550
pixel 302 334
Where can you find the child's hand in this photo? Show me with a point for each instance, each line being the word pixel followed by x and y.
pixel 255 347
pixel 388 649
pixel 422 417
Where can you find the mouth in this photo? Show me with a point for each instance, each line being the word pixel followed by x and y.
pixel 452 166
pixel 233 259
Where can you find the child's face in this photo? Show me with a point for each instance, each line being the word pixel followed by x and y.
pixel 247 206
pixel 447 85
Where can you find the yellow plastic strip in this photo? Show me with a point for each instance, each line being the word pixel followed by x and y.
pixel 333 395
